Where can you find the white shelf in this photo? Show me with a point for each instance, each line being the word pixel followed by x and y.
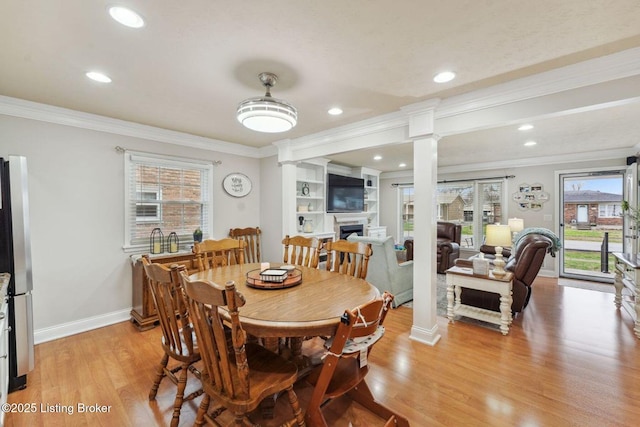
pixel 371 178
pixel 312 205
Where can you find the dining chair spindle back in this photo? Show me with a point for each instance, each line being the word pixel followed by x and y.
pixel 300 250
pixel 178 338
pixel 252 236
pixel 216 253
pixel 350 258
pixel 237 374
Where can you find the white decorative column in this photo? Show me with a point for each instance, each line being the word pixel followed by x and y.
pixel 425 175
pixel 288 198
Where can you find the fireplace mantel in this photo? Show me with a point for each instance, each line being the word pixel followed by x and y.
pixel 351 217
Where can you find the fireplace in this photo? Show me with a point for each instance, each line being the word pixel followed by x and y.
pixel 346 230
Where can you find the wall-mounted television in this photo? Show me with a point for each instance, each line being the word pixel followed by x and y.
pixel 344 194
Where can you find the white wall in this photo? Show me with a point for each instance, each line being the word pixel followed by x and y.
pixel 82 277
pixel 389 202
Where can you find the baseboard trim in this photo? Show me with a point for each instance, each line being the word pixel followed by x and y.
pixel 425 336
pixel 547 273
pixel 79 326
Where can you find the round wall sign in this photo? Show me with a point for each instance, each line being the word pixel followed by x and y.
pixel 237 184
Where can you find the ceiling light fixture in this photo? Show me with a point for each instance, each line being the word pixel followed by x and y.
pixel 445 76
pixel 530 143
pixel 525 127
pixel 267 114
pixel 402 165
pixel 98 77
pixel 335 111
pixel 377 157
pixel 126 17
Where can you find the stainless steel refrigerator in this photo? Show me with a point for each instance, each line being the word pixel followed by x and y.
pixel 15 258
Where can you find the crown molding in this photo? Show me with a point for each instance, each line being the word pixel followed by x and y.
pixel 64 116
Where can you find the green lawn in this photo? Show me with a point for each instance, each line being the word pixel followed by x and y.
pixel 586 261
pixel 615 236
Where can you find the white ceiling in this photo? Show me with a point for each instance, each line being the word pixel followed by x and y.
pixel 194 61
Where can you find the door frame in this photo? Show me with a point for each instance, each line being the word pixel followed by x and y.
pixel 559 181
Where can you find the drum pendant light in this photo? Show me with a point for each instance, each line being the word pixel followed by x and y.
pixel 265 113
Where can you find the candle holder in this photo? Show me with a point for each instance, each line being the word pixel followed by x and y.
pixel 156 241
pixel 173 243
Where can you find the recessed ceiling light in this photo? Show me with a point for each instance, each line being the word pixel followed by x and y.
pixel 335 111
pixel 98 77
pixel 445 76
pixel 126 17
pixel 402 165
pixel 378 157
pixel 526 127
pixel 530 143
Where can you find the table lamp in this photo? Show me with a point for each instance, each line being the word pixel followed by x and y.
pixel 516 225
pixel 498 235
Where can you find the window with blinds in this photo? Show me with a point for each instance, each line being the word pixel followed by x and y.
pixel 172 194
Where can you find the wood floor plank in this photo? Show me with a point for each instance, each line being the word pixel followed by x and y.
pixel 569 359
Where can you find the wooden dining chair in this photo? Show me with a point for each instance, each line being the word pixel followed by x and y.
pixel 346 364
pixel 350 258
pixel 178 338
pixel 300 250
pixel 253 238
pixel 215 253
pixel 236 374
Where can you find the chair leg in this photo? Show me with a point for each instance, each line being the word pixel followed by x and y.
pixel 362 394
pixel 295 406
pixel 159 375
pixel 177 403
pixel 202 410
pixel 314 418
pixel 391 422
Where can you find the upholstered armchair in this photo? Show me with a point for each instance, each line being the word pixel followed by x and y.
pixel 525 263
pixel 448 245
pixel 384 272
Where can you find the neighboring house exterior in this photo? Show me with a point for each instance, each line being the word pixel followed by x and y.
pixel 588 208
pixel 450 207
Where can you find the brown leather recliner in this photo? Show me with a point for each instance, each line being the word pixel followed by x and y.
pixel 525 264
pixel 448 245
pixel 490 252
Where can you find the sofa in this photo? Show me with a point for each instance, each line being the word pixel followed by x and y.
pixel 384 271
pixel 448 245
pixel 525 263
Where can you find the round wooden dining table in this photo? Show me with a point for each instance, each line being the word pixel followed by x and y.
pixel 311 308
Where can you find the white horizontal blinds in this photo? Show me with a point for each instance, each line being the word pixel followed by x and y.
pixel 171 194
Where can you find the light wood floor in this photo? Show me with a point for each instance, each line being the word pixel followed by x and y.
pixel 571 359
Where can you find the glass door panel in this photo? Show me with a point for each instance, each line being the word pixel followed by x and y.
pixel 591 224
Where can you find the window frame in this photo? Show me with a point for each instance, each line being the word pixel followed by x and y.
pixel 133 158
pixel 615 207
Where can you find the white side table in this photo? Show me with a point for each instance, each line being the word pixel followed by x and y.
pixel 458 278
